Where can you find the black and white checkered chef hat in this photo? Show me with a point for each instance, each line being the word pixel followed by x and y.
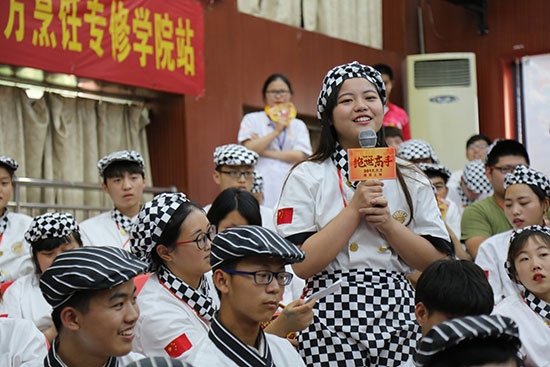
pixel 244 241
pixel 48 225
pixel 10 162
pixel 528 176
pixel 534 228
pixel 87 268
pixel 433 167
pixel 475 179
pixel 416 149
pixel 123 155
pixel 234 155
pixel 456 331
pixel 151 220
pixel 258 184
pixel 341 73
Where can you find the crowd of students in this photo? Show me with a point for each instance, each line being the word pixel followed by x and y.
pixel 432 268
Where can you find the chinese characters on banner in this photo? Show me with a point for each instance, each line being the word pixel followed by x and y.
pixel 371 163
pixel 155 44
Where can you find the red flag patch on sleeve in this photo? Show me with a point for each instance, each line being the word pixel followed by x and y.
pixel 177 346
pixel 284 216
pixel 486 273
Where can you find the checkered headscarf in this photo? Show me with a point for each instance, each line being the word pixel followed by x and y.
pixel 416 149
pixel 258 184
pixel 244 241
pixel 456 331
pixel 341 73
pixel 87 268
pixel 123 155
pixel 528 176
pixel 48 225
pixel 475 178
pixel 10 162
pixel 534 228
pixel 433 167
pixel 234 155
pixel 150 223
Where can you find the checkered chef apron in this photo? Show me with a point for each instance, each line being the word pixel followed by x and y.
pixel 369 321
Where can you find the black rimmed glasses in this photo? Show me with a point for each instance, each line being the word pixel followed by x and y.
pixel 264 277
pixel 202 238
pixel 248 175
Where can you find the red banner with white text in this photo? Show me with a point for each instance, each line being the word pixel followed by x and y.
pixel 156 44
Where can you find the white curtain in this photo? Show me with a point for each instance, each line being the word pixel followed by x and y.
pixel 358 21
pixel 60 138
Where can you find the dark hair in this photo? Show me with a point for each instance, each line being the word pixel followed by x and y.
pixel 505 148
pixel 51 243
pixel 518 243
pixel 384 69
pixel 10 170
pixel 328 138
pixel 455 288
pixel 80 301
pixel 477 352
pixel 274 77
pixel 541 195
pixel 431 173
pixel 477 137
pixel 235 199
pixel 392 131
pixel 172 230
pixel 119 168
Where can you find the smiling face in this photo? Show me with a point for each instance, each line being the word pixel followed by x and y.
pixel 358 107
pixel 5 188
pixel 523 207
pixel 532 265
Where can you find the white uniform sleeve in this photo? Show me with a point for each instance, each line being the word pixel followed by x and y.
pixel 21 344
pixel 247 129
pixel 10 304
pixel 486 260
pixel 303 142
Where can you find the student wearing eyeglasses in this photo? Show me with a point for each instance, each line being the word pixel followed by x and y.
pixel 280 142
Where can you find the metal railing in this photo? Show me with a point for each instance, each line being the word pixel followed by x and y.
pixel 20 182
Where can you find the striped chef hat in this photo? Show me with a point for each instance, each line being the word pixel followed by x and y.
pixel 48 225
pixel 150 223
pixel 434 167
pixel 234 155
pixel 341 73
pixel 87 268
pixel 475 179
pixel 416 149
pixel 244 241
pixel 10 162
pixel 123 155
pixel 456 331
pixel 528 176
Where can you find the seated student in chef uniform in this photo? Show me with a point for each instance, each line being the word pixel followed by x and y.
pixel 249 274
pixel 123 176
pixel 93 296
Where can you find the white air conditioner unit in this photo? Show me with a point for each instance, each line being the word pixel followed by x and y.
pixel 442 103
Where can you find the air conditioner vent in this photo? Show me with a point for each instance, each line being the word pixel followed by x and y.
pixel 442 73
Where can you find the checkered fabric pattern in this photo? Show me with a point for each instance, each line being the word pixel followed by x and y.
pixel 4 221
pixel 198 299
pixel 123 221
pixel 341 73
pixel 87 268
pixel 528 176
pixel 234 155
pixel 416 149
pixel 475 178
pixel 244 241
pixel 490 148
pixel 340 159
pixel 534 228
pixel 150 222
pixel 433 167
pixel 540 307
pixel 451 333
pixel 258 184
pixel 10 162
pixel 369 321
pixel 123 155
pixel 48 225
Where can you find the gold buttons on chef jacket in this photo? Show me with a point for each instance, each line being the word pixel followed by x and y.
pixel 123 232
pixel 353 246
pixel 382 249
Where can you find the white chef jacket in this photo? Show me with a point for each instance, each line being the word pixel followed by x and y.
pixel 453 217
pixel 102 230
pixel 24 300
pixel 491 257
pixel 274 170
pixel 15 252
pixel 163 318
pixel 21 344
pixel 206 353
pixel 312 194
pixel 533 332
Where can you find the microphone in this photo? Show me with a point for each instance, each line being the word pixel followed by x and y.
pixel 367 138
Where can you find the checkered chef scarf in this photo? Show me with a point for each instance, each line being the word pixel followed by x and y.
pixel 123 221
pixel 4 221
pixel 528 176
pixel 340 159
pixel 540 307
pixel 198 299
